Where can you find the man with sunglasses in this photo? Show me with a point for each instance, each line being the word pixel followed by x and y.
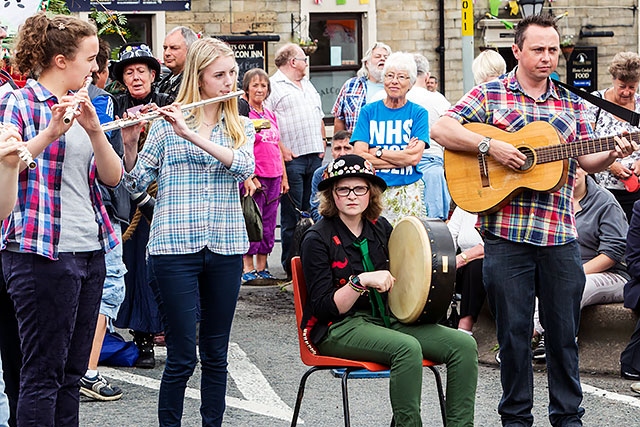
pixel 298 107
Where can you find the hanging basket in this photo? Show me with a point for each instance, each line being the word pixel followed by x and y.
pixel 309 49
pixel 566 51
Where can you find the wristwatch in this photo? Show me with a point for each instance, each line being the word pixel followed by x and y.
pixel 484 145
pixel 355 280
pixel 379 153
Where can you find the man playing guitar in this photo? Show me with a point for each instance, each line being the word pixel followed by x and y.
pixel 530 241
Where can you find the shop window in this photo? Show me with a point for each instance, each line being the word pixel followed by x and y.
pixel 338 55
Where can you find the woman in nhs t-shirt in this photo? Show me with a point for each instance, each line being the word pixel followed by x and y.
pixel 392 134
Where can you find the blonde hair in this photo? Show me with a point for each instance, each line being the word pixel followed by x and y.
pixel 201 54
pixel 487 66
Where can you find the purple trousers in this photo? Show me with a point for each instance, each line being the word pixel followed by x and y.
pixel 268 200
pixel 56 304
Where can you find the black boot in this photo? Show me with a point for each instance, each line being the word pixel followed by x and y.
pixel 144 342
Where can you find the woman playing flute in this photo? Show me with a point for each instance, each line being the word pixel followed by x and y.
pixel 53 242
pixel 198 234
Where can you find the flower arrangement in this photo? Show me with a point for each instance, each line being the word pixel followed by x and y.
pixel 308 45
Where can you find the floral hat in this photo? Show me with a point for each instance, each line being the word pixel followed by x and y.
pixel 135 53
pixel 350 166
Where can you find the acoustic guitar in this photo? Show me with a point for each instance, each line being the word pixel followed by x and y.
pixel 479 184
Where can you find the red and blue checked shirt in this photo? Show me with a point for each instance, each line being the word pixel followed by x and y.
pixel 534 217
pixel 351 99
pixel 34 223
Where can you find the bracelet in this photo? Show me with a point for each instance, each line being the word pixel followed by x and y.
pixel 357 287
pixel 464 257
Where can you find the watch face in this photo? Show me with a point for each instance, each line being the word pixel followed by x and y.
pixel 355 280
pixel 379 152
pixel 483 147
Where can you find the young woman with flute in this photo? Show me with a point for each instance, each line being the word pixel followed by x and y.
pixel 53 242
pixel 198 234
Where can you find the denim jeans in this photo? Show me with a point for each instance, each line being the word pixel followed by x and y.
pixel 56 306
pixel 179 280
pixel 9 349
pixel 299 174
pixel 114 289
pixel 4 402
pixel 514 274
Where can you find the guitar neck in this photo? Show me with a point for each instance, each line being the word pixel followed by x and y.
pixel 553 153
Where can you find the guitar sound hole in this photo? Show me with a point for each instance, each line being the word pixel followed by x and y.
pixel 530 160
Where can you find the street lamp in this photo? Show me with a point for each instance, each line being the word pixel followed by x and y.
pixel 530 7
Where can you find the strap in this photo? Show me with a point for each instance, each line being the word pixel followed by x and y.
pixel 621 112
pixel 377 306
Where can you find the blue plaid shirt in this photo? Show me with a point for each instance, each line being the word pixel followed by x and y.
pixel 198 201
pixel 352 97
pixel 35 221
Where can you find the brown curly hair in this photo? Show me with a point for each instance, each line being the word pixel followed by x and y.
pixel 41 38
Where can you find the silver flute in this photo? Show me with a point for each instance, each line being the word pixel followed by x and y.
pixel 71 110
pixel 123 123
pixel 23 152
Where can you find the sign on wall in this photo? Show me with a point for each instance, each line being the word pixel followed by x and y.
pixel 15 12
pixel 251 51
pixel 582 68
pixel 129 5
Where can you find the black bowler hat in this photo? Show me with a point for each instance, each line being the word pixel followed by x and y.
pixel 350 166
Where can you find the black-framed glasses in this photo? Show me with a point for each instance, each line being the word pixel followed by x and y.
pixel 359 190
pixel 305 59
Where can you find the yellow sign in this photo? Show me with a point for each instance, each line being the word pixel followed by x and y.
pixel 467 18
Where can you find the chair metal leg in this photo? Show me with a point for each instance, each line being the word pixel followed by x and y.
pixel 345 396
pixel 303 383
pixel 443 406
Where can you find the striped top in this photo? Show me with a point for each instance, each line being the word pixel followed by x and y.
pixel 198 200
pixel 34 225
pixel 537 218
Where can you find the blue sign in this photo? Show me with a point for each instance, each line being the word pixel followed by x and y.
pixel 129 5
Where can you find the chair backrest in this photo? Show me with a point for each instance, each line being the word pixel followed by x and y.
pixel 299 301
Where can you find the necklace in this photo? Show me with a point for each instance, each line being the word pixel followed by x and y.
pixel 259 113
pixel 208 124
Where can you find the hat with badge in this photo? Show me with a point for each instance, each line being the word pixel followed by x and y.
pixel 350 166
pixel 135 53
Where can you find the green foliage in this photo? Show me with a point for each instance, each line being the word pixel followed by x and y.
pixel 109 22
pixel 58 7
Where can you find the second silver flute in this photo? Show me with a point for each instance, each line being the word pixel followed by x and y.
pixel 123 123
pixel 71 110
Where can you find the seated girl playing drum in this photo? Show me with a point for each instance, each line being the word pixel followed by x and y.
pixel 345 262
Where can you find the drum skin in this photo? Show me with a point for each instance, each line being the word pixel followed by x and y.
pixel 422 258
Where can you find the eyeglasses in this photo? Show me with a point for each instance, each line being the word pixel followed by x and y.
pixel 401 77
pixel 305 59
pixel 360 190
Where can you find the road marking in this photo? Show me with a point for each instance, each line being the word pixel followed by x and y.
pixel 629 400
pixel 260 398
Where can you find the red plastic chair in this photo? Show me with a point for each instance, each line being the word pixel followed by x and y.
pixel 319 363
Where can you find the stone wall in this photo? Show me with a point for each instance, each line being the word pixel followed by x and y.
pixel 413 25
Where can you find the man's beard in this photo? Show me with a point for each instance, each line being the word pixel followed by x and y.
pixel 375 74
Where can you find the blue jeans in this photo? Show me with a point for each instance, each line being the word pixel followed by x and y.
pixel 436 193
pixel 180 279
pixel 114 289
pixel 514 273
pixel 56 305
pixel 4 402
pixel 299 174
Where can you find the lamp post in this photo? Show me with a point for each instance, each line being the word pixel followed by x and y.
pixel 530 7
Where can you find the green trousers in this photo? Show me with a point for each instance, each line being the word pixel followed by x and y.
pixel 402 347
